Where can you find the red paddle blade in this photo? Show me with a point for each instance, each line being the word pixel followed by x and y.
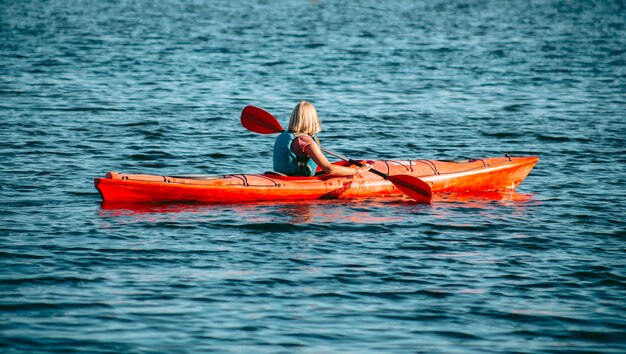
pixel 259 121
pixel 413 187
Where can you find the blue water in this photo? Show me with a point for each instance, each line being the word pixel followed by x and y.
pixel 157 87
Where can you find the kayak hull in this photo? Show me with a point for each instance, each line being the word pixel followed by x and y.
pixel 474 175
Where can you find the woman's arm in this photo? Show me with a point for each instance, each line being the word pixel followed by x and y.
pixel 316 154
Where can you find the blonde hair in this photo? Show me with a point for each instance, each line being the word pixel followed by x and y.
pixel 304 119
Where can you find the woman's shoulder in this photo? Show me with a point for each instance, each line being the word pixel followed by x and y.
pixel 300 142
pixel 304 138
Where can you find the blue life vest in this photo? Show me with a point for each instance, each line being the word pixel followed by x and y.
pixel 287 162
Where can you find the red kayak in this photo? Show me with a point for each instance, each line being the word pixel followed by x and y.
pixel 473 175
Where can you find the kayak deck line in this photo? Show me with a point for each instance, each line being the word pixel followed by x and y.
pixel 473 175
pixel 469 172
pixel 270 174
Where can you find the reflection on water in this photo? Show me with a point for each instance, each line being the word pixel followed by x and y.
pixel 484 200
pixel 363 211
pixel 305 212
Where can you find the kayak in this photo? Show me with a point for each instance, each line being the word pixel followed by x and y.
pixel 471 175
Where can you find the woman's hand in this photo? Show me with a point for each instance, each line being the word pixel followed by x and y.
pixel 366 167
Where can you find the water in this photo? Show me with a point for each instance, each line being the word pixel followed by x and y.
pixel 157 87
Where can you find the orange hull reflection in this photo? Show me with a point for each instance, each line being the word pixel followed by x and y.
pixel 361 211
pixel 318 211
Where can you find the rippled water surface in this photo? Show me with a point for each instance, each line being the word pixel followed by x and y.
pixel 157 87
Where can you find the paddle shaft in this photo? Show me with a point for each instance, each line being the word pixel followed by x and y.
pixel 354 162
pixel 410 185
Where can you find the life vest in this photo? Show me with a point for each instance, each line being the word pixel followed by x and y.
pixel 287 162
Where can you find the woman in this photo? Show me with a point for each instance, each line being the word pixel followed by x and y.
pixel 297 151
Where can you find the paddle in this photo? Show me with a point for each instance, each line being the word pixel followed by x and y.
pixel 261 121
